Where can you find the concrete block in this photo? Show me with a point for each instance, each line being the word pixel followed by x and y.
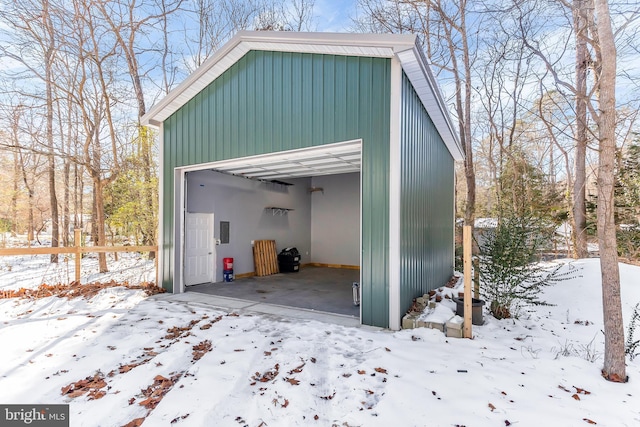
pixel 454 333
pixel 436 325
pixel 454 327
pixel 408 322
pixel 429 324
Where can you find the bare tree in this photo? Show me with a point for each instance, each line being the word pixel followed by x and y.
pixel 605 116
pixel 442 24
pixel 582 10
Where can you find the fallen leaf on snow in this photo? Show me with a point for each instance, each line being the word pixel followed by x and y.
pixel 268 375
pixel 90 385
pixel 493 408
pixel 581 390
pixel 176 419
pixel 297 370
pixel 329 397
pixel 381 370
pixel 292 381
pixel 135 423
pixel 201 349
pixel 589 421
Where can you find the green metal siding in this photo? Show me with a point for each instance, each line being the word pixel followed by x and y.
pixel 427 203
pixel 275 101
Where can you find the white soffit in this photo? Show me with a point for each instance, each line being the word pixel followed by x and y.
pixel 330 159
pixel 424 83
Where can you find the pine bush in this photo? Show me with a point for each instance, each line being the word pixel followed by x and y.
pixel 509 274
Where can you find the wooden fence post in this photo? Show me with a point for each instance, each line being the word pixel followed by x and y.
pixel 77 237
pixel 468 306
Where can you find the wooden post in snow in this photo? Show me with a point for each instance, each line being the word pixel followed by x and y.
pixel 466 255
pixel 77 237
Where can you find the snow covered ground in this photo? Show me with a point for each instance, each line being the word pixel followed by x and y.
pixel 121 357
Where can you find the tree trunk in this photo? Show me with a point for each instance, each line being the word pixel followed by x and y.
pixel 14 195
pixel 100 218
pixel 614 355
pixel 579 226
pixel 48 66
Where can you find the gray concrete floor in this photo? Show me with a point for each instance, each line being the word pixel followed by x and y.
pixel 312 288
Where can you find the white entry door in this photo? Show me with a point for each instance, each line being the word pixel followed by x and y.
pixel 199 256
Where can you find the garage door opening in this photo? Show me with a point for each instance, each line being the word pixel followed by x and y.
pixel 309 199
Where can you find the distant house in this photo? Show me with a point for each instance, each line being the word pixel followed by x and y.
pixel 338 144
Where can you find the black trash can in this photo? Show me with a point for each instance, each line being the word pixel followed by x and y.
pixel 289 260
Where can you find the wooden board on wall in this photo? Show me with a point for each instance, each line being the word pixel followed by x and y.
pixel 265 257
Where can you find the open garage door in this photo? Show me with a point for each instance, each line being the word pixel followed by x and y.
pixel 330 159
pixel 307 198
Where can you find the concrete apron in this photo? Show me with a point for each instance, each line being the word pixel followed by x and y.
pixel 274 311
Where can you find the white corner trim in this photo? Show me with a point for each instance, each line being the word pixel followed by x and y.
pixel 178 230
pixel 394 194
pixel 160 240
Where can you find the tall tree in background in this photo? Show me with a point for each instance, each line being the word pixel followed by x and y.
pixel 605 116
pixel 49 50
pixel 127 21
pixel 34 46
pixel 582 11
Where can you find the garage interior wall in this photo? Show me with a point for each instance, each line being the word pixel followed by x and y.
pixel 335 219
pixel 324 226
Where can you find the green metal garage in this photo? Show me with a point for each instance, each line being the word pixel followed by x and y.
pixel 337 144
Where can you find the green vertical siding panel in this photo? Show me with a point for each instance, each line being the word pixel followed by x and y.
pixel 296 101
pixel 271 101
pixel 306 109
pixel 285 102
pixel 250 106
pixel 427 216
pixel 375 188
pixel 241 142
pixel 232 115
pixel 329 100
pixel 340 91
pixel 276 104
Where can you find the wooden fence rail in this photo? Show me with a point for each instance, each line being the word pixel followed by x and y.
pixel 78 250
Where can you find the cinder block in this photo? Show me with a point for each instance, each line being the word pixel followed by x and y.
pixel 454 327
pixel 421 324
pixel 454 333
pixel 408 322
pixel 436 325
